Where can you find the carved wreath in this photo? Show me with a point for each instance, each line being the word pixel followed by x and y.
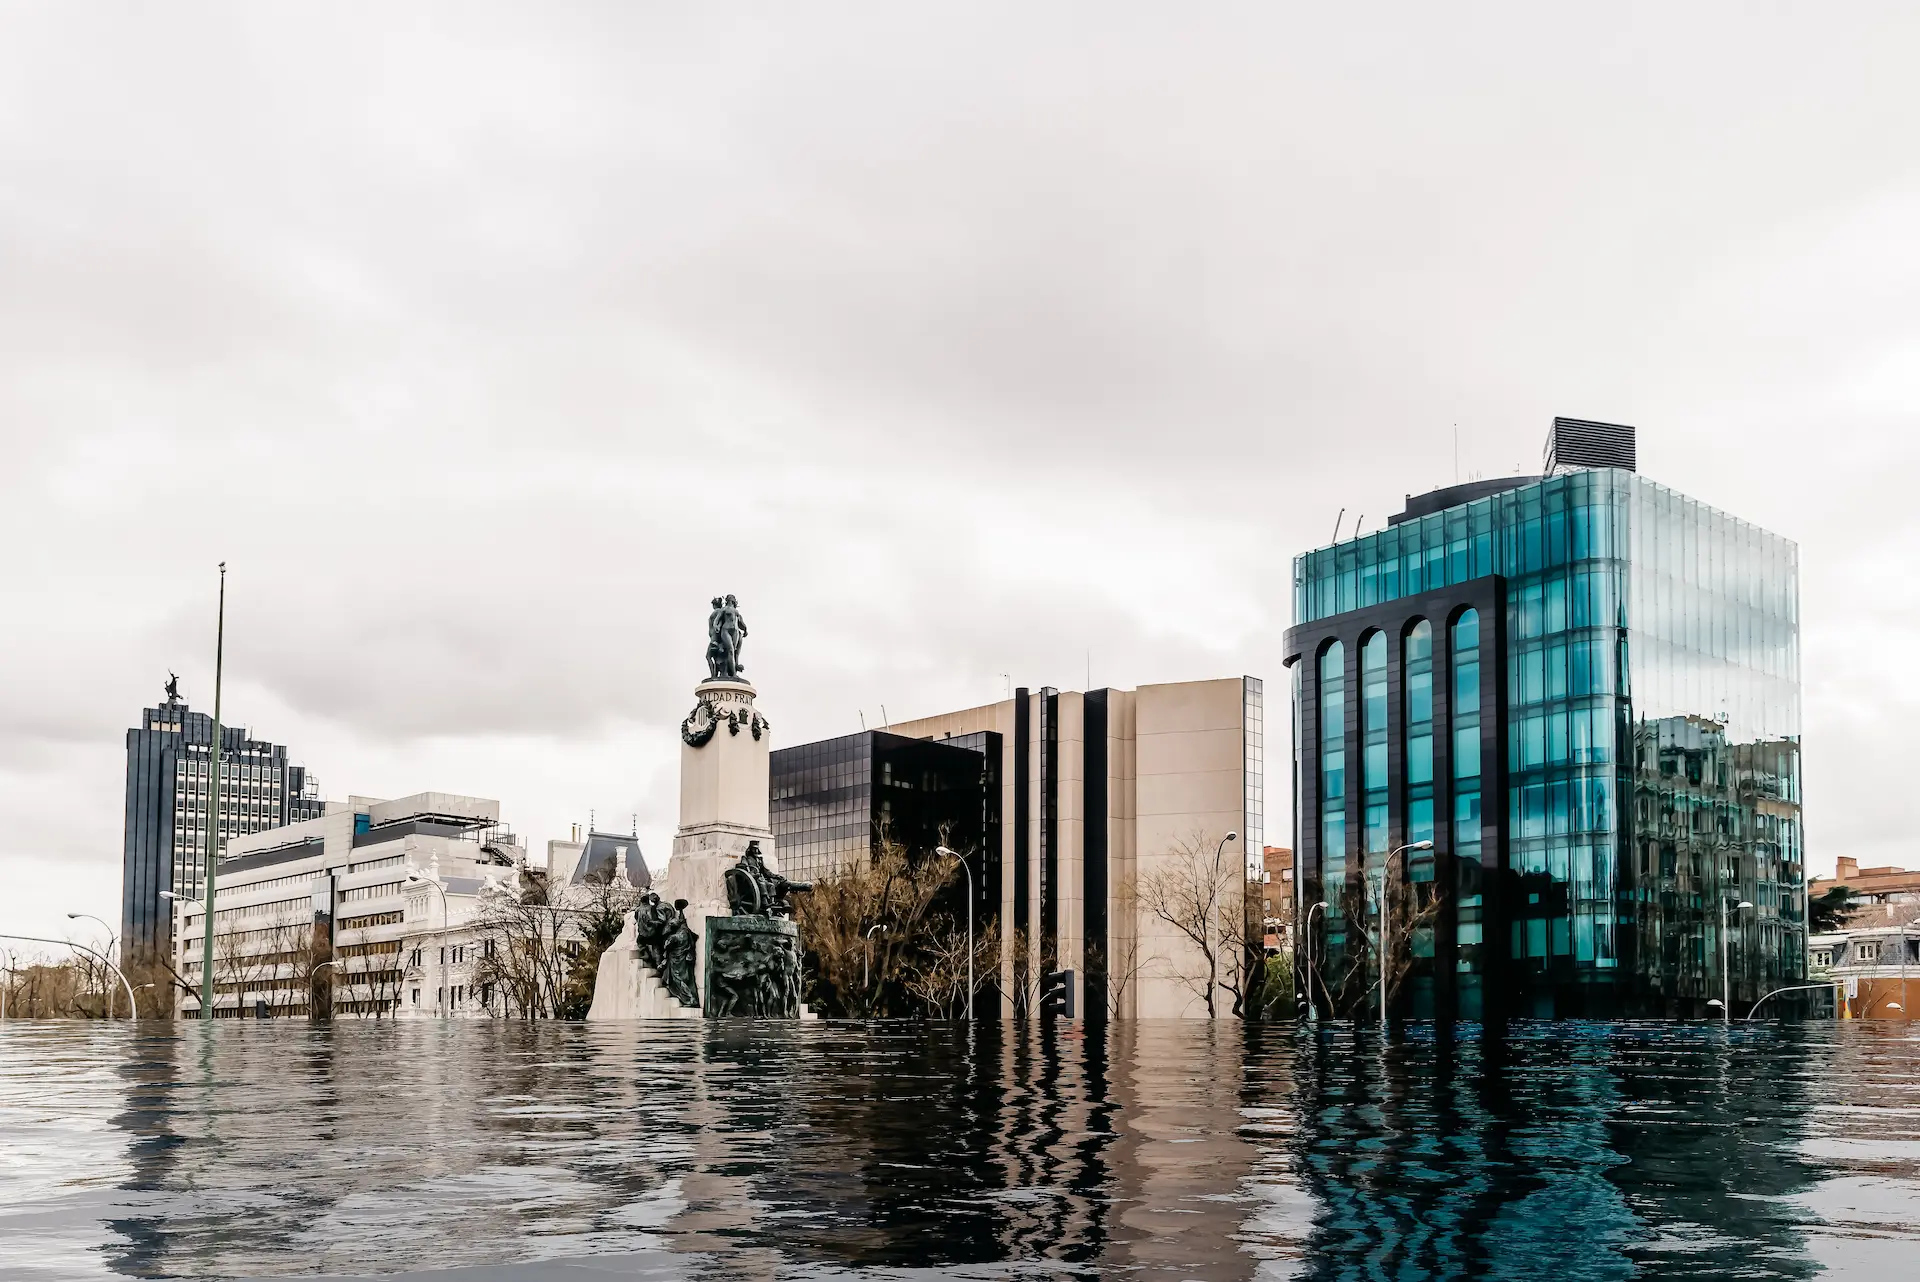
pixel 703 722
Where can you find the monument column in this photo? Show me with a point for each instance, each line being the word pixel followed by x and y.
pixel 724 776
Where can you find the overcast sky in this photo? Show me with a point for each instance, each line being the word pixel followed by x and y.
pixel 485 345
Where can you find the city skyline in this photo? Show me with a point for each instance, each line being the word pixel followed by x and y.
pixel 945 375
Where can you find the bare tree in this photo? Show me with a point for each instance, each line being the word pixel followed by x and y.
pixel 940 979
pixel 872 932
pixel 1200 891
pixel 1412 907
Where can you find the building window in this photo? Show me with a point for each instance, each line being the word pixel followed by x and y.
pixel 1464 708
pixel 1333 767
pixel 1418 677
pixel 1373 762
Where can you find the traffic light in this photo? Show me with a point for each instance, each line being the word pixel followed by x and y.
pixel 1056 994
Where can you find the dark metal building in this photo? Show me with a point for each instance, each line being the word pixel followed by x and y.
pixel 169 770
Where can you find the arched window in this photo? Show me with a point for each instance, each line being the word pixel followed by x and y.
pixel 1464 650
pixel 1373 720
pixel 1333 766
pixel 1418 679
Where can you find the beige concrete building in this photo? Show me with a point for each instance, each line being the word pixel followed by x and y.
pixel 1100 793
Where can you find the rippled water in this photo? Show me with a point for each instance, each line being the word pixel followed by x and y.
pixel 1570 1151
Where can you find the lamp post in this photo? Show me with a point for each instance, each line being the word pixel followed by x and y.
pixel 311 990
pixel 439 996
pixel 1218 852
pixel 170 897
pixel 1726 979
pixel 1307 937
pixel 1386 865
pixel 112 939
pixel 942 850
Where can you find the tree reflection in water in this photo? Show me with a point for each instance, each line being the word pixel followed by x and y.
pixel 1184 1150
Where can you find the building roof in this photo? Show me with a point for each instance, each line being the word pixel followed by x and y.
pixel 601 854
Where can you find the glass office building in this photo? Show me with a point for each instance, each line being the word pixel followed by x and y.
pixel 831 801
pixel 1583 689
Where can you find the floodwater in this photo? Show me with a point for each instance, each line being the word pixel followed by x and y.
pixel 895 1150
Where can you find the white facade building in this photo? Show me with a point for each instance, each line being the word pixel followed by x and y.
pixel 369 908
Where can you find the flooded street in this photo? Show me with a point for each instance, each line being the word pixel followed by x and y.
pixel 1178 1150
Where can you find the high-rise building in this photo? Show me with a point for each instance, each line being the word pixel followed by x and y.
pixel 169 770
pixel 1104 796
pixel 1584 690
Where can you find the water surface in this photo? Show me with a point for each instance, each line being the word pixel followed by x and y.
pixel 893 1150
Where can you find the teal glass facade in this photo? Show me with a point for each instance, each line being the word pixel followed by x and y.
pixel 1599 768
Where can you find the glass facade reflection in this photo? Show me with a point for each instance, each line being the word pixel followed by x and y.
pixel 1598 720
pixel 831 800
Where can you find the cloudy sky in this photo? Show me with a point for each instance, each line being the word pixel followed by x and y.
pixel 486 344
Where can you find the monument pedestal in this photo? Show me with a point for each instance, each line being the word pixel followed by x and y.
pixel 724 773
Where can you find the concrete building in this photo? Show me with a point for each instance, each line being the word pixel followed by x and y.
pixel 364 912
pixel 1277 898
pixel 1099 792
pixel 169 771
pixel 1875 970
pixel 1558 717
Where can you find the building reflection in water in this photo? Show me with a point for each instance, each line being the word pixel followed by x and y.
pixel 1578 1151
pixel 1587 1152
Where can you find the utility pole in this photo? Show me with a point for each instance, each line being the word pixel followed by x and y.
pixel 207 990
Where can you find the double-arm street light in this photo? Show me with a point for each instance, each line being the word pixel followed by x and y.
pixel 1386 865
pixel 1306 937
pixel 956 856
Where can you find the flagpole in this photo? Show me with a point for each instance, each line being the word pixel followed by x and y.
pixel 207 988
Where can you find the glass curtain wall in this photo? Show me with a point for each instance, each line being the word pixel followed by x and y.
pixel 1333 800
pixel 1470 915
pixel 1653 721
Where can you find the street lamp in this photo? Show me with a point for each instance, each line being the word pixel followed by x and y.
pixel 1726 980
pixel 112 939
pixel 1385 865
pixel 440 994
pixel 955 855
pixel 1218 852
pixel 1307 936
pixel 311 990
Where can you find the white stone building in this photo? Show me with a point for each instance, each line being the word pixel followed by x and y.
pixel 370 909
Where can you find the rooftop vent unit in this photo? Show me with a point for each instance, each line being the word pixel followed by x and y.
pixel 1577 443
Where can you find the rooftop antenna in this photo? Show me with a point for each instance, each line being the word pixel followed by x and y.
pixel 590 823
pixel 636 823
pixel 1008 678
pixel 884 723
pixel 1336 524
pixel 863 719
pixel 1358 521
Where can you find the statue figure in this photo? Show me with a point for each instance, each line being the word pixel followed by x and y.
pixel 726 631
pixel 173 688
pixel 677 954
pixel 651 922
pixel 755 890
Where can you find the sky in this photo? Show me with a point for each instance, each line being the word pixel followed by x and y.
pixel 965 344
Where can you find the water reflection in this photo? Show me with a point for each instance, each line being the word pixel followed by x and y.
pixel 1182 1150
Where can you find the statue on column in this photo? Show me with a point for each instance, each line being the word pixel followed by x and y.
pixel 726 634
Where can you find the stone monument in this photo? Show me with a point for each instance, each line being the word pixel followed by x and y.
pixel 728 925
